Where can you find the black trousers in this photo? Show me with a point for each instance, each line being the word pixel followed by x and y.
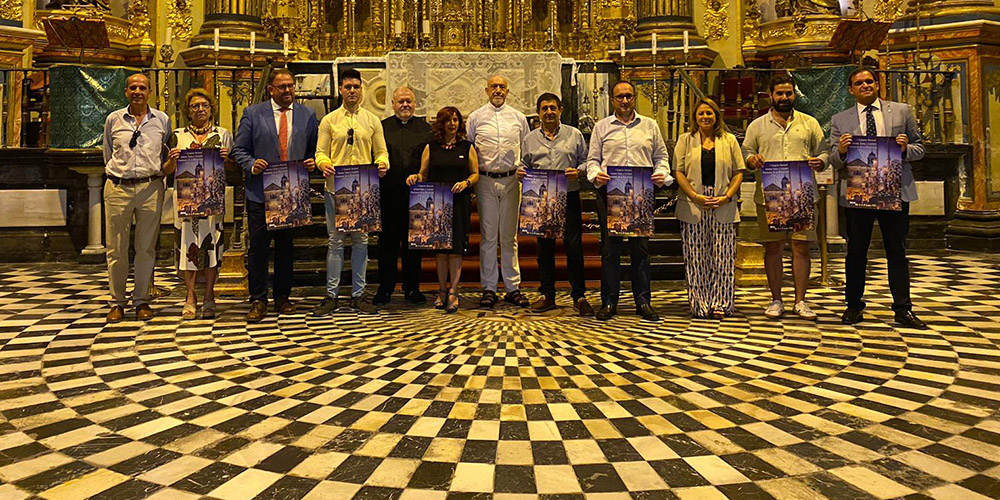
pixel 611 257
pixel 573 241
pixel 894 226
pixel 393 242
pixel 257 255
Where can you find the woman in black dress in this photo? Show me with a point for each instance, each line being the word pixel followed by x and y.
pixel 450 159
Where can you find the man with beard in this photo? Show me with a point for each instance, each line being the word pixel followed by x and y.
pixel 134 153
pixel 276 130
pixel 874 117
pixel 349 135
pixel 405 137
pixel 625 138
pixel 784 134
pixel 497 131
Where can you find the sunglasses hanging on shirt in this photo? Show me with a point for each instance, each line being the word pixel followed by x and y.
pixel 135 139
pixel 350 137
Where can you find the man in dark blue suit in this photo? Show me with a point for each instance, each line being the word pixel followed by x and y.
pixel 269 132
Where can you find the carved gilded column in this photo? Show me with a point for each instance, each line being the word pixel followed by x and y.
pixel 962 38
pixel 235 20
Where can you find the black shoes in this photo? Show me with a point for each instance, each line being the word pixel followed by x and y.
pixel 646 312
pixel 414 297
pixel 907 318
pixel 852 316
pixel 381 298
pixel 607 312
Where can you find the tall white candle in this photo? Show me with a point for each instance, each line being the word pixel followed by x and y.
pixel 686 47
pixel 426 27
pixel 215 43
pixel 654 44
pixel 621 45
pixel 170 36
pixel 398 26
pixel 284 45
pixel 253 42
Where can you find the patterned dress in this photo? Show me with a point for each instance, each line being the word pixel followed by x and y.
pixel 199 239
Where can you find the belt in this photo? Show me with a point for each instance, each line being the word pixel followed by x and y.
pixel 498 175
pixel 131 181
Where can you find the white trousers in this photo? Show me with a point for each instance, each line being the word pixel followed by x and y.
pixel 499 200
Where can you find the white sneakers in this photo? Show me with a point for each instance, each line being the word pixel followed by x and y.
pixel 803 310
pixel 776 310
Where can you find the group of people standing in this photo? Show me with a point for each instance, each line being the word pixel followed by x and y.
pixel 487 154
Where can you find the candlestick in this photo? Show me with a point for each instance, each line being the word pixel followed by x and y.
pixel 426 25
pixel 621 46
pixel 215 44
pixel 253 42
pixel 654 44
pixel 398 26
pixel 284 45
pixel 686 48
pixel 170 36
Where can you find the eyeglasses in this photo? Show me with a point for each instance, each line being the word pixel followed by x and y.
pixel 350 137
pixel 201 105
pixel 135 139
pixel 624 97
pixel 287 86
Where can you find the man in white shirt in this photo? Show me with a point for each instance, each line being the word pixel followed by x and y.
pixel 784 134
pixel 497 131
pixel 134 153
pixel 625 138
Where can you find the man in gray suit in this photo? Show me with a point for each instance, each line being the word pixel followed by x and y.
pixel 874 117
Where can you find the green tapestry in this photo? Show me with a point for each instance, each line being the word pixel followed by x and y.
pixel 822 92
pixel 80 100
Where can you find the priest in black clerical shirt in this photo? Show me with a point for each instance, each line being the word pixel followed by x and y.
pixel 405 135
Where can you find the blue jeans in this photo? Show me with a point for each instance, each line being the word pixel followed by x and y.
pixel 335 254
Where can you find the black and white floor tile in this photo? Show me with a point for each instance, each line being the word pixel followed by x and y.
pixel 413 404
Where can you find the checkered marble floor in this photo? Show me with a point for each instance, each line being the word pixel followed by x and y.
pixel 413 404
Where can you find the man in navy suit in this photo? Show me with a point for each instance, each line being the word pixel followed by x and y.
pixel 874 117
pixel 269 132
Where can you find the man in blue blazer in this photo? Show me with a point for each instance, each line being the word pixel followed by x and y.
pixel 875 117
pixel 272 131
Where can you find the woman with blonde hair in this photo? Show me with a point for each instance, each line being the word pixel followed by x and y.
pixel 199 239
pixel 709 170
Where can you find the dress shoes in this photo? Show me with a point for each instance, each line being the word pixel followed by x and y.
pixel 381 299
pixel 415 297
pixel 852 316
pixel 284 306
pixel 258 309
pixel 583 307
pixel 143 312
pixel 543 304
pixel 362 306
pixel 907 318
pixel 646 312
pixel 607 312
pixel 116 314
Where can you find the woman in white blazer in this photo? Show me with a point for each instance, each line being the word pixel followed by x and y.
pixel 709 170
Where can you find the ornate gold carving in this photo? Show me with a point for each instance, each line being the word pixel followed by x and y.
pixel 716 19
pixel 138 18
pixel 887 10
pixel 791 31
pixel 751 22
pixel 179 18
pixel 10 9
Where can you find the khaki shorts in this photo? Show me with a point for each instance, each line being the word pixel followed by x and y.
pixel 766 235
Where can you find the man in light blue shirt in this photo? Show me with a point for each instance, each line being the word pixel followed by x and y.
pixel 134 153
pixel 625 138
pixel 555 146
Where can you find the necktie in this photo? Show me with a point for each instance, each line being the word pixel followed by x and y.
pixel 870 129
pixel 283 134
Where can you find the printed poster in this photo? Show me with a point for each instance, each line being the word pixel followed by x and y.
pixel 200 183
pixel 356 199
pixel 630 201
pixel 789 195
pixel 874 173
pixel 543 203
pixel 431 207
pixel 286 195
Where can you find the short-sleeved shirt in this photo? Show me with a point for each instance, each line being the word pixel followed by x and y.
pixel 800 140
